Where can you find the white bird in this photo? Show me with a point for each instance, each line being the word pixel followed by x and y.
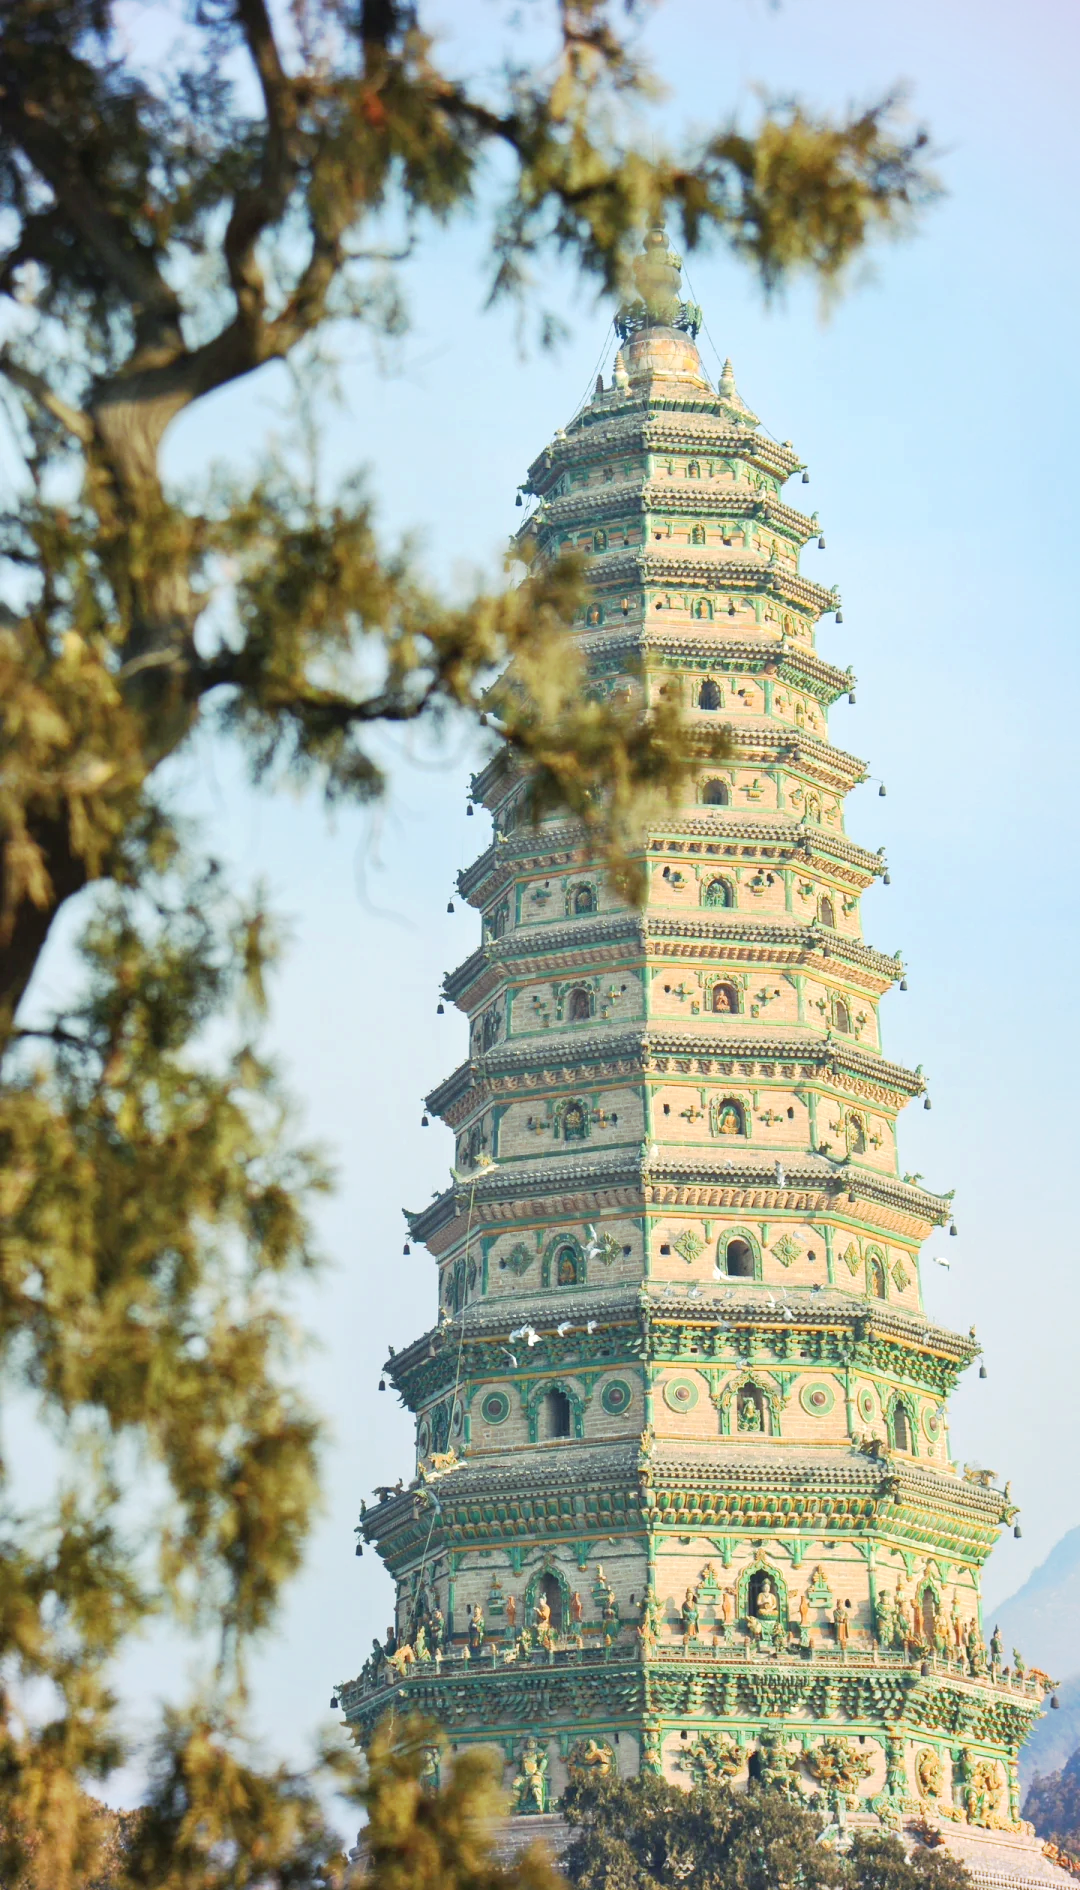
pixel 519 1332
pixel 590 1231
pixel 512 1356
pixel 940 1261
pixel 564 1328
pixel 590 1325
pixel 654 1153
pixel 532 1337
pixel 694 1293
pixel 781 1178
pixel 729 1163
pixel 771 1297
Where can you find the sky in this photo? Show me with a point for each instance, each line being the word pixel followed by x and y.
pixel 937 410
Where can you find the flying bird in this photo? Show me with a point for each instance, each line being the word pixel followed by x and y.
pixel 512 1356
pixel 564 1328
pixel 531 1336
pixel 940 1261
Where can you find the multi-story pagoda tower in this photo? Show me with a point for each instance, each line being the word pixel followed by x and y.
pixel 683 1498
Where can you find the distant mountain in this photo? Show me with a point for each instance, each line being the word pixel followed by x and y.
pixel 1043 1618
pixel 1054 1739
pixel 1053 1805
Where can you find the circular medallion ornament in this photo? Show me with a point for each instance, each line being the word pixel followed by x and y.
pixel 866 1405
pixel 616 1396
pixel 681 1394
pixel 931 1423
pixel 456 1421
pixel 495 1408
pixel 817 1399
pixel 423 1438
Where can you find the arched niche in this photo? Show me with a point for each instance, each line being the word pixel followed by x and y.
pixel 718 892
pixel 564 1263
pixel 716 793
pixel 542 1414
pixel 738 1254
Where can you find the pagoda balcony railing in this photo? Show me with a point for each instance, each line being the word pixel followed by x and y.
pixel 372 1689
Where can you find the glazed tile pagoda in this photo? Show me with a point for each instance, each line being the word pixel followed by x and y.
pixel 683 1497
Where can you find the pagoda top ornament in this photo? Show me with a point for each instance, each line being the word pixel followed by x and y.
pixel 658 303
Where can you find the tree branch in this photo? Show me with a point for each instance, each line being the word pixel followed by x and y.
pixel 38 388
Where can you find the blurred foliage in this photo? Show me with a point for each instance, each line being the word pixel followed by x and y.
pixel 171 225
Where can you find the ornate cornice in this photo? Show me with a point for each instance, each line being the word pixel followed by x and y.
pixel 573 1056
pixel 698 933
pixel 722 1688
pixel 696 498
pixel 690 831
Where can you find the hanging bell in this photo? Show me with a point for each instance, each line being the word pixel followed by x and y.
pixel 406 1250
pixel 519 500
pixel 440 1010
pixel 382 1384
pixel 1017 1531
pixel 840 619
pixel 903 984
pixel 359 1548
pixel 851 697
pixel 1054 1702
pixel 982 1371
pixel 886 878
pixel 469 811
pixel 881 792
pixel 952 1230
pixel 927 1104
pixel 450 906
pixel 821 542
pixel 333 1703
pixel 806 478
pixel 423 1122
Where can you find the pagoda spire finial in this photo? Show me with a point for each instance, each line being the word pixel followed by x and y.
pixel 658 279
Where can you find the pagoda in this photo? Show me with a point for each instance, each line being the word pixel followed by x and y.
pixel 683 1497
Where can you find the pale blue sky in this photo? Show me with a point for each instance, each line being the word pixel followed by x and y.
pixel 937 409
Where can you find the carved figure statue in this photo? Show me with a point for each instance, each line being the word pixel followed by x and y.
pixel 651 1759
pixel 690 1614
pixel 997 1648
pixel 420 1646
pixel 402 1660
pixel 767 1607
pixel 542 1612
pixel 576 1607
pixel 727 1606
pixel 839 1767
pixel 840 1622
pixel 591 1758
pixel 511 1611
pixel 529 1790
pixel 804 1609
pixel 929 1773
pixel 749 1415
pixel 712 1759
pixel 984 1791
pixel 1019 1668
pixel 476 1629
pixel 777 1767
pixel 438 1631
pixel 885 1617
